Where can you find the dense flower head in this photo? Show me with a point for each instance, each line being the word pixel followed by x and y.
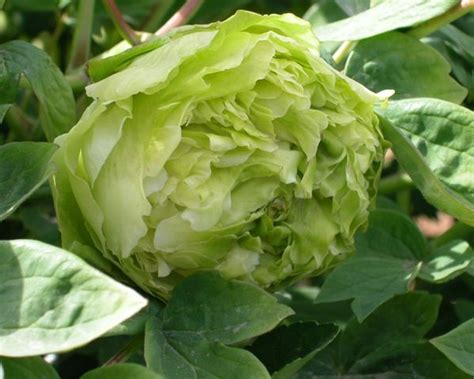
pixel 232 147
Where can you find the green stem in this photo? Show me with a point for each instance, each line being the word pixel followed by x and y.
pixel 126 352
pixel 395 183
pixel 343 51
pixel 180 17
pixel 457 231
pixel 78 80
pixel 81 39
pixel 156 16
pixel 434 24
pixel 124 29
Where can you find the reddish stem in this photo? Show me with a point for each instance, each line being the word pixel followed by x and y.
pixel 180 17
pixel 124 29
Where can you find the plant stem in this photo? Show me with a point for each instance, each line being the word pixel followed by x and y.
pixel 126 352
pixel 343 51
pixel 156 16
pixel 457 231
pixel 82 35
pixel 395 183
pixel 124 29
pixel 180 17
pixel 78 80
pixel 434 24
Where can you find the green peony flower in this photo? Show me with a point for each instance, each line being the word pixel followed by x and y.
pixel 232 147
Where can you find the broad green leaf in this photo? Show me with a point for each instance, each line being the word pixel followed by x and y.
pixel 407 240
pixel 26 368
pixel 370 281
pixel 303 301
pixel 409 360
pixel 403 63
pixel 190 355
pixel 462 70
pixel 222 310
pixel 24 166
pixel 53 301
pixel 2 3
pixel 122 371
pixel 461 42
pixel 432 140
pixel 361 347
pixel 285 350
pixel 384 265
pixel 421 360
pixel 204 313
pixel 56 101
pixel 447 262
pixel 458 346
pixel 136 324
pixel 385 16
pixel 389 256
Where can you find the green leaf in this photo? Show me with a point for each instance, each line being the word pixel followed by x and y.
pixel 432 140
pixel 222 310
pixel 407 242
pixel 55 97
pixel 24 166
pixel 447 262
pixel 458 346
pixel 370 281
pixel 361 347
pixel 204 313
pixel 460 42
pixel 384 264
pixel 26 368
pixel 461 69
pixel 415 360
pixel 285 350
pixel 54 302
pixel 403 63
pixel 386 16
pixel 190 355
pixel 122 371
pixel 303 301
pixel 136 324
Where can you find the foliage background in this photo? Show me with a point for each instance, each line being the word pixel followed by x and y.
pixel 428 287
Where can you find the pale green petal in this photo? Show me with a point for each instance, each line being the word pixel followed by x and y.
pixel 231 146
